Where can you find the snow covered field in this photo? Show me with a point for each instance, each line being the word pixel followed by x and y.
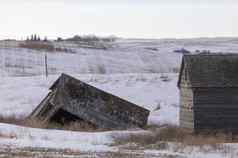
pixel 121 56
pixel 20 95
pixel 140 71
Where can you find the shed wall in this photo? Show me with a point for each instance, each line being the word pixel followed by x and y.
pixel 216 108
pixel 186 101
pixel 186 108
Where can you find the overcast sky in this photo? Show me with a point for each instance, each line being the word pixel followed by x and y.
pixel 124 18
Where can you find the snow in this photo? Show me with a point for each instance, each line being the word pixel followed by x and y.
pixel 23 137
pixel 130 68
pixel 17 136
pixel 20 95
pixel 29 137
pixel 18 61
pixel 122 56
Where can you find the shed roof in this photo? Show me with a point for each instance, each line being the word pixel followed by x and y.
pixel 89 104
pixel 213 70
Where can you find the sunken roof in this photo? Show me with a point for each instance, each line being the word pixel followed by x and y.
pixel 90 104
pixel 213 70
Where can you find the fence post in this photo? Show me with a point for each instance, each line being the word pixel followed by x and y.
pixel 46 66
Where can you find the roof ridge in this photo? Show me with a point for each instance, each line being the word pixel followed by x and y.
pixel 213 54
pixel 213 70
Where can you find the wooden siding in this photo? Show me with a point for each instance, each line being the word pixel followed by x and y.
pixel 90 104
pixel 101 108
pixel 186 119
pixel 186 108
pixel 216 108
pixel 185 82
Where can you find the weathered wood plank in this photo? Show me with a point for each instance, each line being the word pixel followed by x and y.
pixel 185 124
pixel 93 105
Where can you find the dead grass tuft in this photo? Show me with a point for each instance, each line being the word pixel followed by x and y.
pixel 71 126
pixel 158 138
pixel 11 135
pixel 12 120
pixel 35 124
pixel 79 126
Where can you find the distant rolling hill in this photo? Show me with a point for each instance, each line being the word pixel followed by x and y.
pixel 121 56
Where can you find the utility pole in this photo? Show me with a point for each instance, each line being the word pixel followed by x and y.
pixel 46 66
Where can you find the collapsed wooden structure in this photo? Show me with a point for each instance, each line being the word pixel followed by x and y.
pixel 209 92
pixel 71 100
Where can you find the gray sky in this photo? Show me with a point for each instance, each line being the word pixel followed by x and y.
pixel 124 18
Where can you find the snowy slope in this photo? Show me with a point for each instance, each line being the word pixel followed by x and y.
pixel 17 136
pixel 130 68
pixel 18 61
pixel 20 95
pixel 23 138
pixel 122 56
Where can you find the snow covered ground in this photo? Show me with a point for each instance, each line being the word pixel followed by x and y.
pixel 20 95
pixel 137 70
pixel 121 56
pixel 16 61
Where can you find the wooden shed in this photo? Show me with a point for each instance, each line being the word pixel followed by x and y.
pixel 209 92
pixel 71 100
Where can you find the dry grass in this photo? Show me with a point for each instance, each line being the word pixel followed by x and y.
pixel 73 126
pixel 11 135
pixel 159 138
pixel 21 121
pixel 76 126
pixel 12 120
pixel 35 124
pixel 155 138
pixel 67 153
pixel 79 126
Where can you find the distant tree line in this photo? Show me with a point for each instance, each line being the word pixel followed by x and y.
pixel 88 38
pixel 76 38
pixel 35 37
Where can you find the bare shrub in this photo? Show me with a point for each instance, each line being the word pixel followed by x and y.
pixel 165 78
pixel 44 46
pixel 37 46
pixel 101 69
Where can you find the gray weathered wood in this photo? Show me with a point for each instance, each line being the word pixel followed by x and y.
pixel 209 92
pixel 90 104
